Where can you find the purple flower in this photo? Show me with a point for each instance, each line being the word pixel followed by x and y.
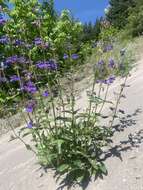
pixel 14 78
pixel 110 80
pixel 2 21
pixel 38 41
pixel 4 40
pixel 30 125
pixel 30 87
pixel 101 81
pixel 101 62
pixel 45 94
pixel 111 63
pixel 15 59
pixel 30 106
pixel 46 45
pixel 18 42
pixel 74 56
pixel 12 59
pixel 109 47
pixel 65 56
pixel 42 64
pixel 51 65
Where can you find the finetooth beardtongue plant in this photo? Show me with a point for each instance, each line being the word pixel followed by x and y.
pixel 66 139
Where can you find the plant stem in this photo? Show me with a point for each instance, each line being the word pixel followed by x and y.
pixel 118 102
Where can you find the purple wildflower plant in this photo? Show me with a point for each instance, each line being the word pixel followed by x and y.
pixel 4 40
pixel 38 41
pixel 45 94
pixel 75 56
pixel 30 106
pixel 42 64
pixel 15 59
pixel 2 21
pixel 12 59
pixel 18 42
pixel 14 78
pixel 110 80
pixel 107 48
pixel 51 65
pixel 65 56
pixel 101 62
pixel 111 63
pixel 30 87
pixel 30 125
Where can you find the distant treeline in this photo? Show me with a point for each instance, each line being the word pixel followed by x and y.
pixel 124 15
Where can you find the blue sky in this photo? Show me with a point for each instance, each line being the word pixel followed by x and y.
pixel 84 10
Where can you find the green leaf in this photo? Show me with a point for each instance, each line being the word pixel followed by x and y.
pixel 59 143
pixel 103 168
pixel 63 168
pixel 65 119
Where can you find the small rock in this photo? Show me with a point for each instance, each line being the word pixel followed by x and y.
pixel 41 174
pixel 138 177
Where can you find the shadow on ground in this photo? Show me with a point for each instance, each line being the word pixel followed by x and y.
pixel 133 141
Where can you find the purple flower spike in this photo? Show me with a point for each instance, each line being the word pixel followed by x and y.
pixel 42 64
pixel 14 78
pixel 30 106
pixel 45 94
pixel 2 21
pixel 4 40
pixel 108 48
pixel 18 42
pixel 101 62
pixel 30 125
pixel 74 56
pixel 65 56
pixel 38 41
pixel 111 63
pixel 110 80
pixel 30 87
pixel 12 59
pixel 52 65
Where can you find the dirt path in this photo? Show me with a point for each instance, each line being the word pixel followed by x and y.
pixel 124 160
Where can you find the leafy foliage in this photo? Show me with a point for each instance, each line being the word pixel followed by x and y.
pixel 135 20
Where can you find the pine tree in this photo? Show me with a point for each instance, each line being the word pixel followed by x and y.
pixel 119 11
